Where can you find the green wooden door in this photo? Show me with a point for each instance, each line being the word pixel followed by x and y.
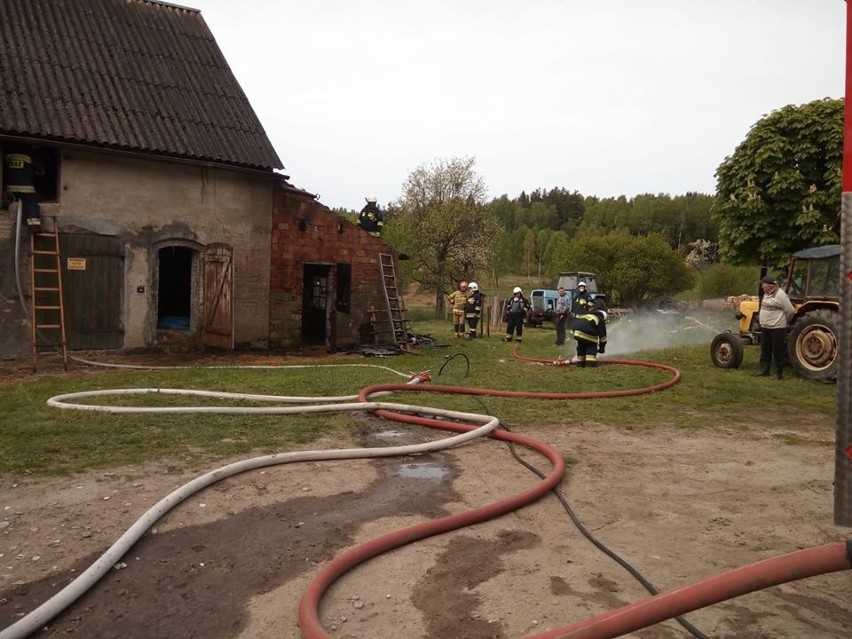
pixel 92 282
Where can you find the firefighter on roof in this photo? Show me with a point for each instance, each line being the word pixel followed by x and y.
pixel 20 171
pixel 371 218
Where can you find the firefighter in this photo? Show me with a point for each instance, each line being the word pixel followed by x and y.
pixel 473 308
pixel 583 301
pixel 21 168
pixel 371 218
pixel 514 312
pixel 458 299
pixel 589 331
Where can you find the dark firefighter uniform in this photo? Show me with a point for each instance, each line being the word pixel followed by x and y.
pixel 514 312
pixel 589 331
pixel 371 219
pixel 473 311
pixel 583 302
pixel 20 171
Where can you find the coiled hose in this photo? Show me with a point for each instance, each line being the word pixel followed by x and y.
pixel 663 606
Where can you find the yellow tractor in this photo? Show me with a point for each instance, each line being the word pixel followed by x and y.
pixel 813 285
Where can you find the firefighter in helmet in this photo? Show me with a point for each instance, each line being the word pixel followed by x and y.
pixel 21 167
pixel 473 308
pixel 371 218
pixel 589 331
pixel 458 300
pixel 583 301
pixel 514 312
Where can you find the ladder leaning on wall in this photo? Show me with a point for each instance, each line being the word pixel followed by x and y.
pixel 396 307
pixel 47 312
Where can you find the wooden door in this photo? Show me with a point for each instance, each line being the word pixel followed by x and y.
pixel 218 328
pixel 92 282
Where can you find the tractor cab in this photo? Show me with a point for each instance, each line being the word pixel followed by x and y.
pixel 570 280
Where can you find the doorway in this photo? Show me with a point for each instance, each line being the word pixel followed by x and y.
pixel 174 289
pixel 315 296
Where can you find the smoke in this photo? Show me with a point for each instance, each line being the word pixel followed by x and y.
pixel 657 330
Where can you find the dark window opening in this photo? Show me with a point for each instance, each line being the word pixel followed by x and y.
pixel 45 170
pixel 175 288
pixel 344 288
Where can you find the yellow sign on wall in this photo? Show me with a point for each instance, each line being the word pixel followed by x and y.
pixel 76 264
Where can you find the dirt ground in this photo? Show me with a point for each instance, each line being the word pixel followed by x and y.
pixel 234 560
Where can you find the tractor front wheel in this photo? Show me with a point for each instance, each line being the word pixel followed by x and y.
pixel 726 350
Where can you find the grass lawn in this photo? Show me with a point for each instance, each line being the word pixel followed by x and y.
pixel 38 439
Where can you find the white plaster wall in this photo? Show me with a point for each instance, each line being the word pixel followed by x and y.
pixel 147 202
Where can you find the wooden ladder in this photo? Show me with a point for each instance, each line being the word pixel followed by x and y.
pixel 396 307
pixel 47 315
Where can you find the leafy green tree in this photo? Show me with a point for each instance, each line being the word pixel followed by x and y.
pixel 628 268
pixel 542 216
pixel 604 216
pixel 443 225
pixel 780 190
pixel 681 219
pixel 504 210
pixel 722 280
pixel 557 246
pixel 529 254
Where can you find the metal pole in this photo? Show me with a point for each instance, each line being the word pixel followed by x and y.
pixel 843 439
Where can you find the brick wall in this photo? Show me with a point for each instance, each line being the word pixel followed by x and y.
pixel 307 232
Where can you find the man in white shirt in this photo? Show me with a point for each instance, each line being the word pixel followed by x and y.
pixel 776 311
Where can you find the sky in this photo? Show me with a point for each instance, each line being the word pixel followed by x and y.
pixel 604 97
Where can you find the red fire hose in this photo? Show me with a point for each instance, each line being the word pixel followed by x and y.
pixel 309 607
pixel 727 585
pixel 663 606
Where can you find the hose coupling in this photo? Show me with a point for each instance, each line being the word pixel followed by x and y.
pixel 420 378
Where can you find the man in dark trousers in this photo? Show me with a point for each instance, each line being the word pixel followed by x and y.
pixel 776 311
pixel 20 168
pixel 473 309
pixel 562 311
pixel 589 330
pixel 514 312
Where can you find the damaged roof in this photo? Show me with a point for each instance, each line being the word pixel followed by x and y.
pixel 134 75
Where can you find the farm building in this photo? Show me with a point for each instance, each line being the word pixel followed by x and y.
pixel 174 224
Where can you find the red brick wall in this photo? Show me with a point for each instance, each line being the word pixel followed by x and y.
pixel 305 231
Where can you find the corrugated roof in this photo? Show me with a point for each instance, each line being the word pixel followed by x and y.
pixel 136 75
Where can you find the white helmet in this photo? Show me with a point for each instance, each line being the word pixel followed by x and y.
pixel 579 284
pixel 603 315
pixel 371 199
pixel 517 289
pixel 473 286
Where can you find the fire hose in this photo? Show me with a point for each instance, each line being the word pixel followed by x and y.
pixel 663 606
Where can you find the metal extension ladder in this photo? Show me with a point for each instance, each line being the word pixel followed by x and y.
pixel 47 312
pixel 396 307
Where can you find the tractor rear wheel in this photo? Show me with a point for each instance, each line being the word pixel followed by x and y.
pixel 726 350
pixel 812 345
